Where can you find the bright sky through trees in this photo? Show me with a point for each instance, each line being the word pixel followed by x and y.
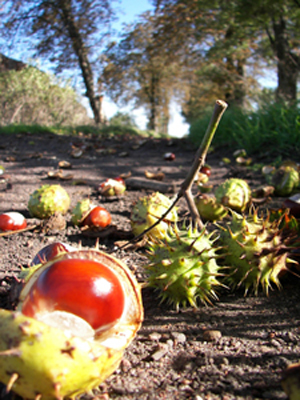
pixel 177 127
pixel 127 12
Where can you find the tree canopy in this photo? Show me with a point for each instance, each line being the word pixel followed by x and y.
pixel 237 39
pixel 191 50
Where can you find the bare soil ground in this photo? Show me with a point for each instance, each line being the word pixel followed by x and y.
pixel 175 355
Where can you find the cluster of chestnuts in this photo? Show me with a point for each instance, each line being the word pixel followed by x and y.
pixel 51 199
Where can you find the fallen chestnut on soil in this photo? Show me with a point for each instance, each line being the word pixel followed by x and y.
pixel 50 251
pixel 86 213
pixel 12 221
pixel 98 217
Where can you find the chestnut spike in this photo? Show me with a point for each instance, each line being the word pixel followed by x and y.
pixel 11 352
pixel 14 377
pixel 57 387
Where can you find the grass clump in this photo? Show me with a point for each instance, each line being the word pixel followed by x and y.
pixel 108 131
pixel 273 128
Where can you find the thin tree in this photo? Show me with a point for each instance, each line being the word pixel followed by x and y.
pixel 141 70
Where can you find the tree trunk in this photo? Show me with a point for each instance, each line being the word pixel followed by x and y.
pixel 239 88
pixel 287 64
pixel 236 94
pixel 154 103
pixel 81 53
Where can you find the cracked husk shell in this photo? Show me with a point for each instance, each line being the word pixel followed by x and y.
pixel 209 209
pixel 38 361
pixel 81 210
pixel 147 210
pixel 285 180
pixel 234 193
pixel 48 200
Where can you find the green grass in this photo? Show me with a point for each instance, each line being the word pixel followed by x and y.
pixel 273 129
pixel 105 131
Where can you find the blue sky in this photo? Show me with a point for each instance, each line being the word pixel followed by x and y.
pixel 133 8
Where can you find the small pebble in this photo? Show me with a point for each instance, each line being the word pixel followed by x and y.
pixel 154 336
pixel 125 365
pixel 178 337
pixel 212 335
pixel 161 352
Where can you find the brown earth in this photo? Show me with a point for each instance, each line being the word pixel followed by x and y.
pixel 174 355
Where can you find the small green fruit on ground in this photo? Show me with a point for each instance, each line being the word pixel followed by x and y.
pixel 234 193
pixel 48 200
pixel 256 252
pixel 113 187
pixel 76 315
pixel 209 209
pixel 285 180
pixel 183 267
pixel 81 210
pixel 147 210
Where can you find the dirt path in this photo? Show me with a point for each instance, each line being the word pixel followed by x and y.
pixel 174 356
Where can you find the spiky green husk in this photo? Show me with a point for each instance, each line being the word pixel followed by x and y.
pixel 183 267
pixel 148 210
pixel 209 209
pixel 256 252
pixel 48 200
pixel 80 211
pixel 48 362
pixel 234 193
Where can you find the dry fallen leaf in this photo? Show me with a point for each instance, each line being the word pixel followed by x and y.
pixel 125 175
pixel 76 153
pixel 59 175
pixel 157 176
pixel 64 164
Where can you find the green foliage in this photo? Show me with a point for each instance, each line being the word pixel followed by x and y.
pixel 80 130
pixel 30 96
pixel 123 119
pixel 272 129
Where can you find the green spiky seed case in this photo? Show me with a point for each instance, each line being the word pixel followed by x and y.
pixel 47 200
pixel 39 361
pixel 256 252
pixel 183 267
pixel 81 209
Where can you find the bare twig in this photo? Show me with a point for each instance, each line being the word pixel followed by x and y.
pixel 199 161
pixel 28 228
